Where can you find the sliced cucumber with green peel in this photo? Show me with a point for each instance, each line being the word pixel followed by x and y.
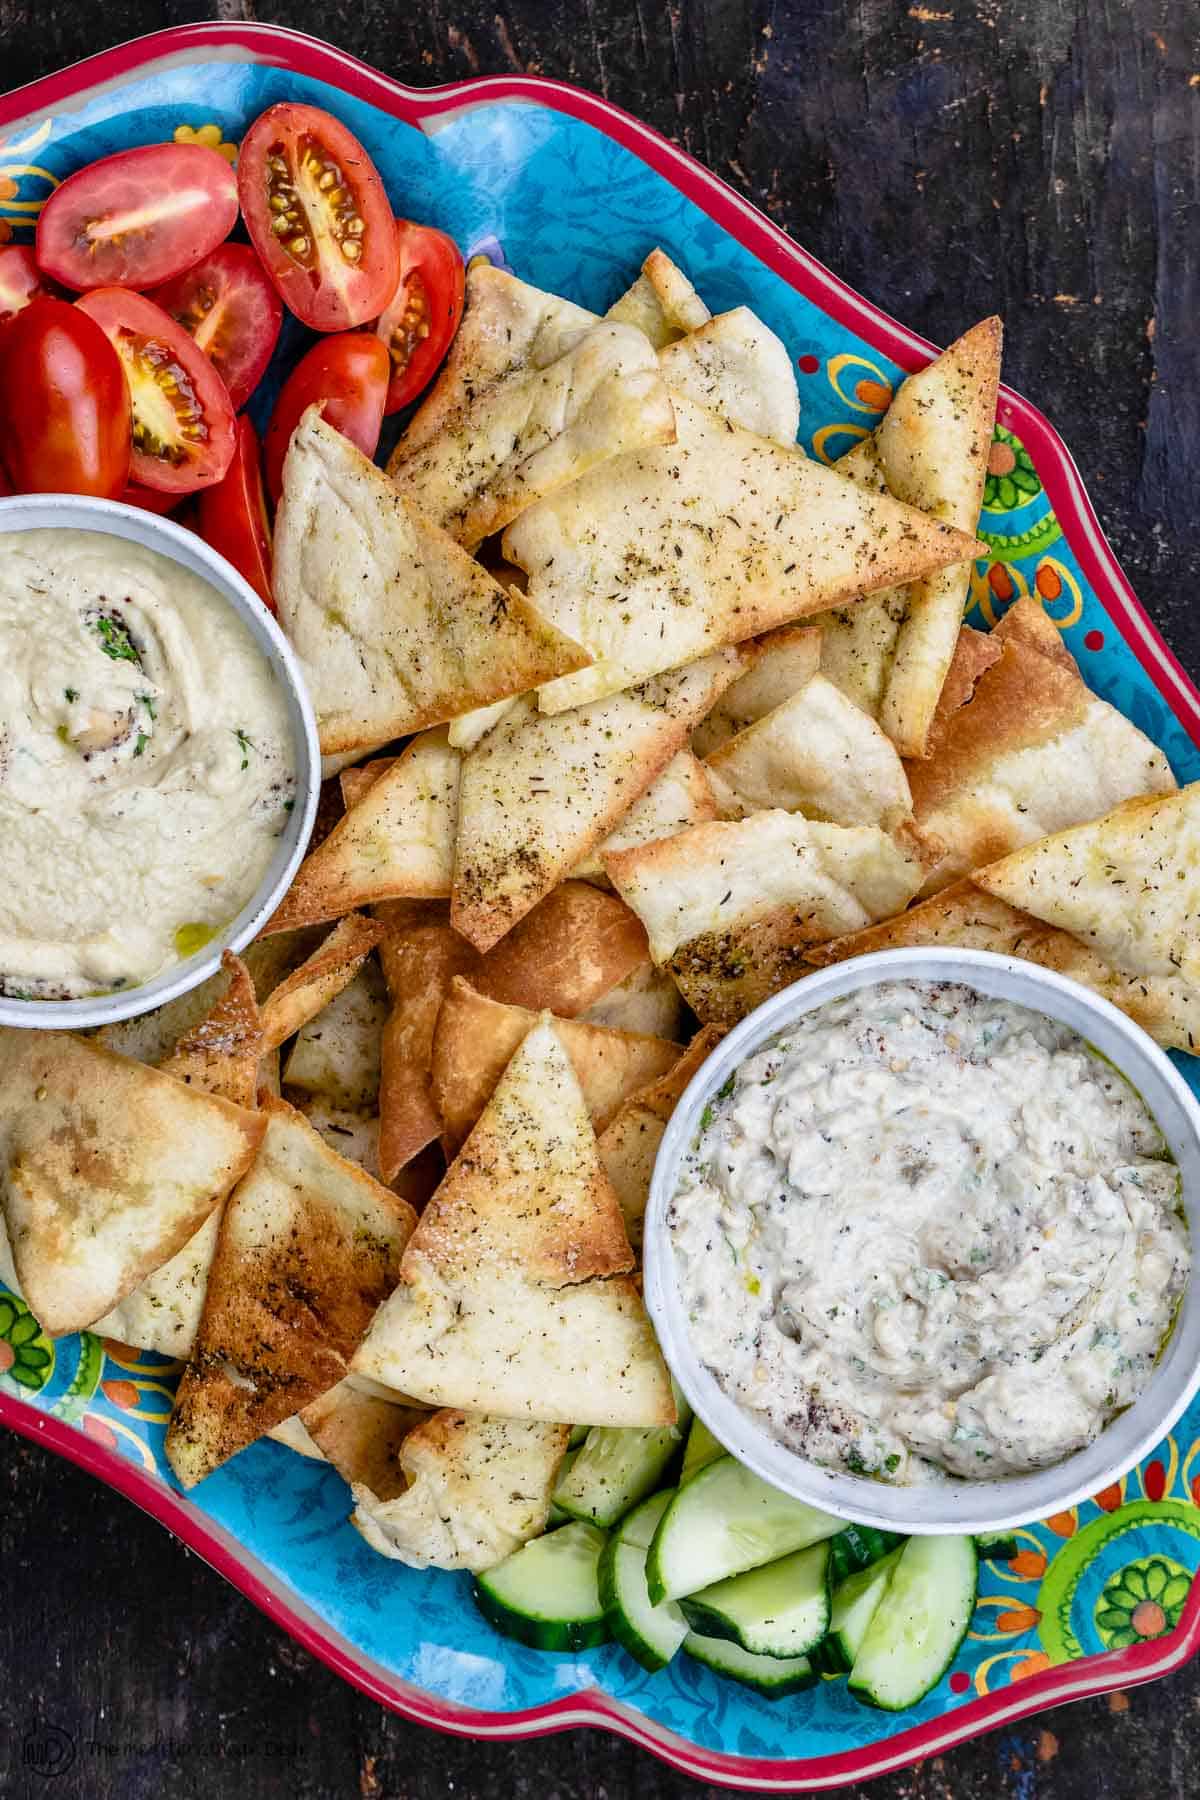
pixel 556 1516
pixel 578 1434
pixel 546 1593
pixel 724 1522
pixel 651 1634
pixel 919 1623
pixel 701 1449
pixel 857 1547
pixel 996 1546
pixel 780 1610
pixel 617 1467
pixel 855 1602
pixel 771 1676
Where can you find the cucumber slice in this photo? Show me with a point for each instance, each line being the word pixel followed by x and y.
pixel 855 1602
pixel 556 1516
pixel 781 1610
pixel 771 1676
pixel 724 1522
pixel 545 1594
pixel 919 1624
pixel 578 1434
pixel 996 1546
pixel 651 1634
pixel 857 1547
pixel 617 1467
pixel 701 1449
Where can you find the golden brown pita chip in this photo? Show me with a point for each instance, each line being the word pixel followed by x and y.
pixel 681 796
pixel 1028 620
pixel 736 366
pixel 362 1435
pixel 308 1248
pixel 647 1002
pixel 221 1054
pixel 107 1168
pixel 778 665
pixel 629 1143
pixel 573 948
pixel 310 988
pixel 355 782
pixel 974 654
pixel 515 1290
pixel 422 964
pixel 662 302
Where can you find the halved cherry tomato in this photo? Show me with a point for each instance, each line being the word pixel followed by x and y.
pixel 231 309
pixel 20 280
pixel 422 316
pixel 137 218
pixel 232 516
pixel 151 500
pixel 348 377
pixel 64 403
pixel 318 216
pixel 183 424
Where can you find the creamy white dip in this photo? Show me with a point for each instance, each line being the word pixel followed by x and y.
pixel 927 1231
pixel 146 763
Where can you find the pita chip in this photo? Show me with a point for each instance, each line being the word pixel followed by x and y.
pixel 337 1053
pixel 355 782
pixel 422 964
pixel 351 1134
pixel 974 655
pixel 541 791
pixel 396 841
pixel 777 666
pixel 463 1490
pixel 629 1142
pixel 647 1002
pixel 662 302
pixel 516 1291
pixel 735 365
pixel 1028 620
pixel 309 1246
pixel 92 1204
pixel 397 627
pixel 730 908
pixel 362 1435
pixel 476 1038
pixel 661 556
pixel 573 948
pixel 220 1054
pixel 681 796
pixel 307 990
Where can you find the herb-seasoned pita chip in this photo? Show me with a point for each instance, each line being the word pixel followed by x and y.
pixel 1127 885
pixel 647 1002
pixel 681 796
pixel 220 1055
pixel 308 1248
pixel 731 908
pixel 107 1168
pixel 662 302
pixel 466 1490
pixel 396 841
pixel 515 1292
pixel 397 627
pixel 736 365
pixel 337 1053
pixel 354 1135
pixel 818 754
pixel 470 728
pixel 1032 753
pixel 665 554
pixel 362 1435
pixel 310 988
pixel 629 1142
pixel 422 963
pixel 540 792
pixel 779 664
pixel 476 1038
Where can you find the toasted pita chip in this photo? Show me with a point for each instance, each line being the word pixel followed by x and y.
pixel 1033 753
pixel 355 782
pixel 731 908
pixel 309 1246
pixel 476 1038
pixel 681 796
pixel 818 754
pixel 310 988
pixel 1028 620
pixel 777 666
pixel 468 730
pixel 662 302
pixel 397 627
pixel 337 1053
pixel 361 1435
pixel 974 654
pixel 665 554
pixel 220 1055
pixel 736 365
pixel 647 1002
pixel 573 948
pixel 515 1292
pixel 466 1490
pixel 354 1135
pixel 397 841
pixel 539 793
pixel 294 1435
pixel 422 964
pixel 107 1168
pixel 629 1143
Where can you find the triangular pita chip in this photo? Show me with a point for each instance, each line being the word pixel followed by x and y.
pixel 309 1246
pixel 107 1168
pixel 516 1292
pixel 662 302
pixel 221 1054
pixel 476 1038
pixel 629 1142
pixel 293 1434
pixel 396 626
pixel 662 555
pixel 353 1135
pixel 362 1435
pixel 396 841
pixel 422 963
pixel 1028 620
pixel 540 792
pixel 307 990
pixel 571 950
pixel 777 666
pixel 336 1054
pixel 736 366
pixel 974 654
pixel 468 1490
pixel 681 796
pixel 647 1002
pixel 731 908
pixel 355 782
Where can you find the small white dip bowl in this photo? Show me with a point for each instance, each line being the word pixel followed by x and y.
pixel 71 512
pixel 954 1505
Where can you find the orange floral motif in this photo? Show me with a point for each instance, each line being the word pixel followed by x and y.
pixel 1028 1565
pixel 122 1393
pixel 876 394
pixel 1063 1524
pixel 1018 1618
pixel 1033 1664
pixel 1109 1498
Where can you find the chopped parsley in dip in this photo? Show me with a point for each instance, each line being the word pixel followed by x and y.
pixel 926 1232
pixel 146 763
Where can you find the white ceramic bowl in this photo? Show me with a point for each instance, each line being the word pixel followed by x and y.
pixel 70 512
pixel 955 1505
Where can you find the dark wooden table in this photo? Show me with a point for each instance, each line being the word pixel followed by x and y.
pixel 949 159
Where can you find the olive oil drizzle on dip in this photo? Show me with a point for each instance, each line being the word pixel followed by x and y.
pixel 146 763
pixel 926 1233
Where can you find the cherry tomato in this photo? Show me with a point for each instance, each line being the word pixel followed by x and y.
pixel 232 516
pixel 64 402
pixel 137 218
pixel 20 280
pixel 422 317
pixel 183 424
pixel 318 216
pixel 151 500
pixel 231 309
pixel 348 377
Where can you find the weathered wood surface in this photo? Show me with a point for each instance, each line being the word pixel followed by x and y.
pixel 949 159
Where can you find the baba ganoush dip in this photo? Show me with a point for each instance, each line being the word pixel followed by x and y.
pixel 927 1232
pixel 146 763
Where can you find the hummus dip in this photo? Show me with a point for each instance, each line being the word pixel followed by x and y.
pixel 927 1232
pixel 146 763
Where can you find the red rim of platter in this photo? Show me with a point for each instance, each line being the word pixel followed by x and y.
pixel 1064 488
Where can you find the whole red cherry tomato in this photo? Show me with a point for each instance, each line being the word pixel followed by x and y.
pixel 65 404
pixel 348 377
pixel 422 316
pixel 232 516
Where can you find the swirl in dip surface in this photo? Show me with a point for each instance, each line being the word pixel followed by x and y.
pixel 927 1232
pixel 146 763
